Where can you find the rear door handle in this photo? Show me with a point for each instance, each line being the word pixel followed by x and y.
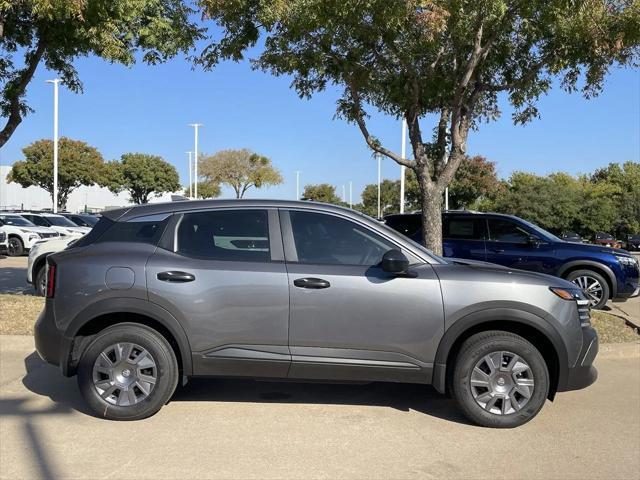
pixel 309 282
pixel 176 277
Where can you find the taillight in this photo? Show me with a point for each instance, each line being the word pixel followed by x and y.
pixel 51 280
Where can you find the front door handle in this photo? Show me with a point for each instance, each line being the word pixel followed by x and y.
pixel 176 277
pixel 309 282
pixel 496 250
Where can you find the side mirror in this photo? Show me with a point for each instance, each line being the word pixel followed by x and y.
pixel 533 241
pixel 394 261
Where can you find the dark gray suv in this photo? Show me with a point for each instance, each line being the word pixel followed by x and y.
pixel 158 293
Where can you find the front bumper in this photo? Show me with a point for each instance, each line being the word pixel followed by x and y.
pixel 583 373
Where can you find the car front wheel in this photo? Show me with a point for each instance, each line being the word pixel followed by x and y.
pixel 500 380
pixel 594 286
pixel 16 247
pixel 128 372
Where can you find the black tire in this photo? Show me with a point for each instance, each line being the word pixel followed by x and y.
pixel 40 283
pixel 575 277
pixel 16 247
pixel 473 351
pixel 166 371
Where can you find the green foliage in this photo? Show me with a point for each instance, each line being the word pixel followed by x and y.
pixel 322 192
pixel 606 201
pixel 142 175
pixel 240 169
pixel 58 32
pixel 78 164
pixel 444 59
pixel 206 190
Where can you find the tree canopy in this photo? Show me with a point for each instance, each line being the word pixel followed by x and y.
pixel 322 192
pixel 142 175
pixel 439 64
pixel 56 33
pixel 607 200
pixel 206 190
pixel 239 169
pixel 78 164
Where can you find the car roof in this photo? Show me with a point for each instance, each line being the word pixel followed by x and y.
pixel 459 212
pixel 127 213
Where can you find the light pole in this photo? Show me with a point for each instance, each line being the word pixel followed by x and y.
pixel 344 194
pixel 379 158
pixel 350 194
pixel 195 157
pixel 190 176
pixel 404 155
pixel 297 184
pixel 55 82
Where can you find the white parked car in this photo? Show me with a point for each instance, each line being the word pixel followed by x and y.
pixel 37 264
pixel 62 225
pixel 4 242
pixel 22 234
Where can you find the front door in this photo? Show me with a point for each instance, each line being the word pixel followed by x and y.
pixel 349 319
pixel 225 280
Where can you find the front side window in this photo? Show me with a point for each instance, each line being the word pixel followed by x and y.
pixel 507 231
pixel 60 221
pixel 327 239
pixel 463 228
pixel 39 221
pixel 235 235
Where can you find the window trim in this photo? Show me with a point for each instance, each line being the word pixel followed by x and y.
pixel 276 252
pixel 291 253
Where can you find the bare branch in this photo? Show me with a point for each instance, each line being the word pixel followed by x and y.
pixel 16 91
pixel 371 141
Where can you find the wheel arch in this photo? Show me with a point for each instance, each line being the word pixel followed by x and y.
pixel 531 327
pixel 101 315
pixel 597 267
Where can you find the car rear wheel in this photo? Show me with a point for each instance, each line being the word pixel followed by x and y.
pixel 40 283
pixel 16 247
pixel 594 286
pixel 500 380
pixel 128 372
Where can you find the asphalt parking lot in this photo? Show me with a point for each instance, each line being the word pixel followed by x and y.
pixel 246 429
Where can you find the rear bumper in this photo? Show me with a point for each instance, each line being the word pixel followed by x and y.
pixel 583 373
pixel 52 346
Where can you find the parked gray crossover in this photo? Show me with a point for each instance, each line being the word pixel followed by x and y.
pixel 158 293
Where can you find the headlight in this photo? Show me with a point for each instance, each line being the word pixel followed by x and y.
pixel 34 236
pixel 628 261
pixel 568 293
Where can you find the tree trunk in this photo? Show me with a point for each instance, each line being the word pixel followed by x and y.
pixel 431 203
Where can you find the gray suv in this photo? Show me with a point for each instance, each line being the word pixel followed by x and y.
pixel 158 293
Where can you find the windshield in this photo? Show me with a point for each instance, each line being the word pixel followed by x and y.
pixel 60 221
pixel 541 231
pixel 16 221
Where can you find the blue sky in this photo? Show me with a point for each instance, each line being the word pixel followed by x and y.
pixel 148 109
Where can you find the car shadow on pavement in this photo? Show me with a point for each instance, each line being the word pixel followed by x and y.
pixel 44 379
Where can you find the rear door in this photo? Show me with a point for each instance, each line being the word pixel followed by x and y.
pixel 464 237
pixel 222 275
pixel 350 320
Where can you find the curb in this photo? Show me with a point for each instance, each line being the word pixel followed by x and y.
pixel 609 351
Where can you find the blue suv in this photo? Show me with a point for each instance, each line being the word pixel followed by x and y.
pixel 601 272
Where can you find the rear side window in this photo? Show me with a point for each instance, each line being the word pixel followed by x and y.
pixel 138 230
pixel 227 235
pixel 463 228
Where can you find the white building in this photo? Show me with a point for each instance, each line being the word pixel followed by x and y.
pixel 95 198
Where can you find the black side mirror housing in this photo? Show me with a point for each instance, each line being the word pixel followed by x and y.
pixel 394 261
pixel 533 241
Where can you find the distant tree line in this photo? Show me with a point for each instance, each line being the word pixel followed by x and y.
pixel 607 200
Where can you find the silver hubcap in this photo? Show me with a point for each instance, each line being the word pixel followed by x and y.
pixel 124 374
pixel 14 247
pixel 502 383
pixel 591 288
